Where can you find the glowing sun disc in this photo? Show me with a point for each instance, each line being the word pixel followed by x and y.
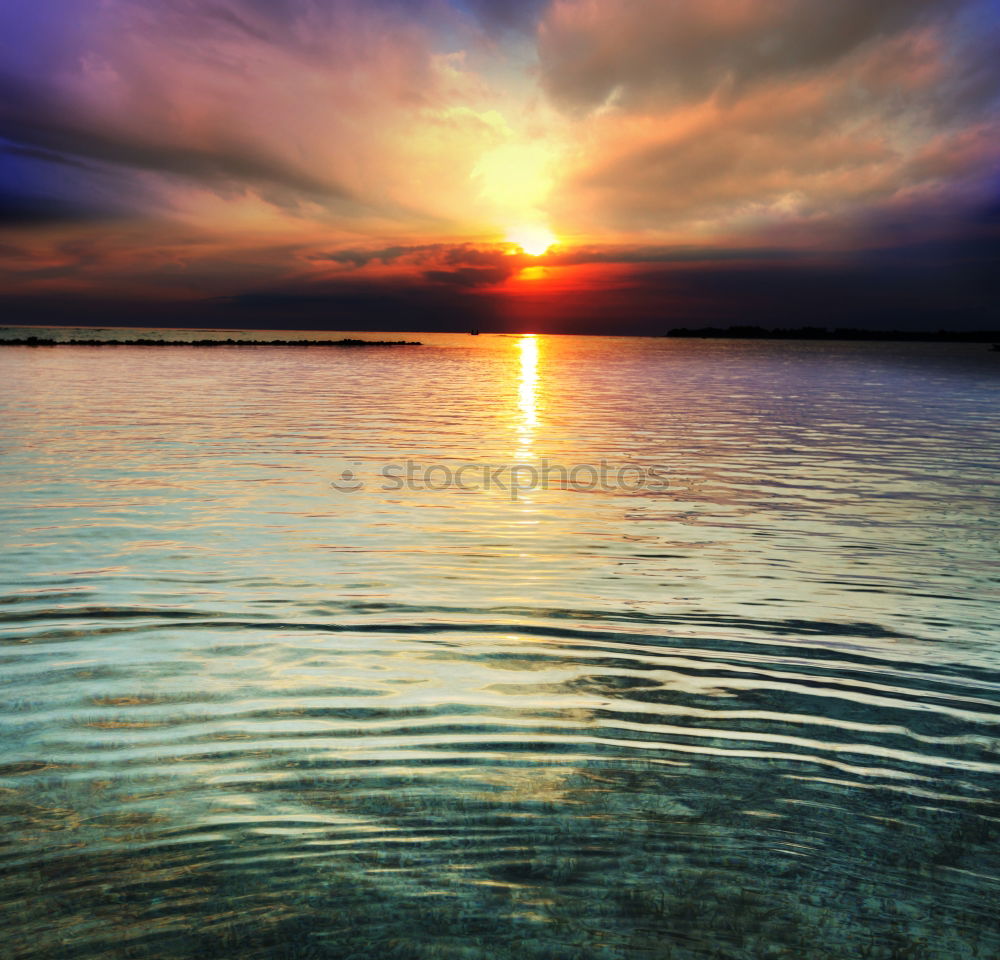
pixel 534 241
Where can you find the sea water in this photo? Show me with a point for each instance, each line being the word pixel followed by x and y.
pixel 697 657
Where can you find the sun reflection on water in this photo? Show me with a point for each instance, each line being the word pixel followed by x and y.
pixel 527 395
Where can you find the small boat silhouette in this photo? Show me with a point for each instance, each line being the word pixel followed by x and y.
pixel 473 333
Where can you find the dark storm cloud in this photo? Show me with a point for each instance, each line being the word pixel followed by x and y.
pixel 361 304
pixel 468 255
pixel 19 209
pixel 47 156
pixel 32 121
pixel 469 276
pixel 459 265
pixel 577 256
pixel 360 258
pixel 949 284
pixel 39 187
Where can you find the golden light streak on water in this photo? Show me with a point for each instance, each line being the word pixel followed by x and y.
pixel 527 395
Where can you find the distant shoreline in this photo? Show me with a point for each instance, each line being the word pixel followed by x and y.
pixel 147 342
pixel 740 332
pixel 839 333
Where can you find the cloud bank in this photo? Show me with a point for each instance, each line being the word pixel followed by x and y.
pixel 687 154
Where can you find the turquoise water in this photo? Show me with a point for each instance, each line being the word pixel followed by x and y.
pixel 744 705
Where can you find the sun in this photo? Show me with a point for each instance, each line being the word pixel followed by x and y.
pixel 533 240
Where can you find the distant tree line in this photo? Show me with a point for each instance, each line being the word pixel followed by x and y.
pixel 835 333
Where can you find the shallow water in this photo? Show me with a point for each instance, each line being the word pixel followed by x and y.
pixel 748 708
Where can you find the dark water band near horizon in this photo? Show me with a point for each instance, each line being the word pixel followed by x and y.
pixel 252 709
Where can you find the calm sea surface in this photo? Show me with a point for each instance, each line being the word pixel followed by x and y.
pixel 278 681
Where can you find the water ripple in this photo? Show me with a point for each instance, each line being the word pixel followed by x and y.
pixel 754 715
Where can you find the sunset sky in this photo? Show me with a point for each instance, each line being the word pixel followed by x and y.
pixel 576 165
